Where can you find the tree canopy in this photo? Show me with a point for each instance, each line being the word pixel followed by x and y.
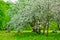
pixel 25 11
pixel 3 15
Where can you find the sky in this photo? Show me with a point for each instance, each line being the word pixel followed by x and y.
pixel 11 1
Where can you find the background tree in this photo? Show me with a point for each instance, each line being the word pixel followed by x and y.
pixel 3 15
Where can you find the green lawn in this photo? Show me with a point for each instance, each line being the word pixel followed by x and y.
pixel 13 35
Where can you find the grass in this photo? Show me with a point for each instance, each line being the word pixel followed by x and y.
pixel 13 35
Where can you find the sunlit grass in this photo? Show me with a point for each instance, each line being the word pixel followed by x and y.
pixel 28 36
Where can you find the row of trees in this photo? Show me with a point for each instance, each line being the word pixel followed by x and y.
pixel 37 13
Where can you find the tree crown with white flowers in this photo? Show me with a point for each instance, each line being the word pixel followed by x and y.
pixel 24 10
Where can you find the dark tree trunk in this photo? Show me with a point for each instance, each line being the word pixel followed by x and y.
pixel 33 29
pixel 58 27
pixel 44 28
pixel 32 24
pixel 58 24
pixel 18 31
pixel 7 30
pixel 47 28
pixel 38 30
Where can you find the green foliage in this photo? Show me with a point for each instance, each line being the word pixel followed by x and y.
pixel 3 15
pixel 28 27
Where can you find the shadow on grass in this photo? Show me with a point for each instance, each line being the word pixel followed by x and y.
pixel 34 36
pixel 26 34
pixel 53 36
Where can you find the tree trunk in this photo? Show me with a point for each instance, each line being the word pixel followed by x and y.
pixel 58 27
pixel 58 24
pixel 7 30
pixel 38 30
pixel 18 31
pixel 44 28
pixel 32 24
pixel 33 29
pixel 47 28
